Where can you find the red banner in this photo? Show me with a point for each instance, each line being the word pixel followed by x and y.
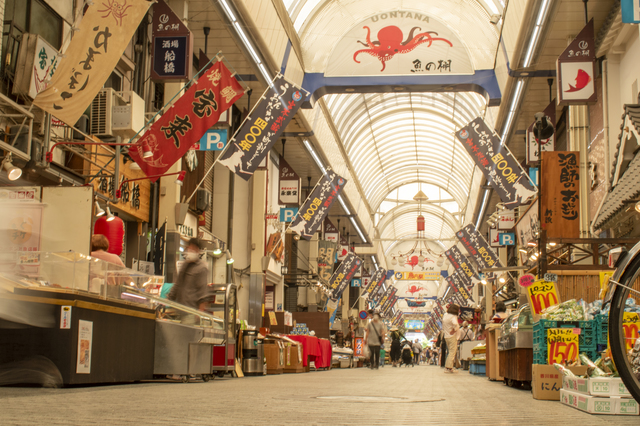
pixel 187 120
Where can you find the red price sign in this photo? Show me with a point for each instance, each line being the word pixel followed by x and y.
pixel 542 294
pixel 526 280
pixel 630 325
pixel 562 345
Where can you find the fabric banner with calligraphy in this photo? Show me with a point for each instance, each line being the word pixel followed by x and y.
pixel 385 296
pixel 378 278
pixel 326 259
pixel 388 310
pixel 459 284
pixel 560 199
pixel 378 293
pixel 478 247
pixel 341 277
pixel 501 169
pixel 317 205
pixel 461 262
pixel 384 305
pixel 187 120
pixel 103 34
pixel 262 127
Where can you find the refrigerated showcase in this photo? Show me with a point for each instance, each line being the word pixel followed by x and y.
pixel 222 304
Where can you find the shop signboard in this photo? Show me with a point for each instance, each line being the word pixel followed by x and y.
pixel 535 146
pixel 331 233
pixel 461 262
pixel 527 228
pixel 576 70
pixel 542 294
pixel 419 276
pixel 560 199
pixel 356 282
pixel 453 293
pixel 494 237
pixel 199 108
pixel 359 347
pixel 366 278
pixel 317 205
pixel 562 345
pixel 343 274
pixel 501 169
pixel 213 140
pixel 459 280
pixel 262 127
pixel 385 296
pixel 630 11
pixel 103 34
pixel 506 220
pixel 326 259
pixel 376 281
pixel 477 246
pixel 507 238
pixel 289 183
pixel 385 303
pixel 172 45
pixel 37 61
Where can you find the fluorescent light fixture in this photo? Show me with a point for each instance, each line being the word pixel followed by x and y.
pixel 512 111
pixel 484 206
pixel 533 41
pixel 228 11
pixel 344 206
pixel 355 225
pixel 307 144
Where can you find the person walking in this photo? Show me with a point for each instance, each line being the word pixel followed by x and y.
pixel 450 329
pixel 417 349
pixel 464 335
pixel 374 337
pixel 441 344
pixel 191 285
pixel 395 346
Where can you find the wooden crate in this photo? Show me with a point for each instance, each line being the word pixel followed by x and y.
pixel 293 361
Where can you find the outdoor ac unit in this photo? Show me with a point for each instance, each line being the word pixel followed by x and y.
pixel 102 112
pixel 128 114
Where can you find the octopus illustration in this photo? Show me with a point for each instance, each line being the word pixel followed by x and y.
pixel 390 43
pixel 414 289
pixel 117 10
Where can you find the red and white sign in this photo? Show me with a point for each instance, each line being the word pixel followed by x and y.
pixel 576 69
pixel 290 185
pixel 507 219
pixel 331 233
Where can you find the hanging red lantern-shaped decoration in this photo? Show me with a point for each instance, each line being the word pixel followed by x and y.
pixel 420 223
pixel 113 230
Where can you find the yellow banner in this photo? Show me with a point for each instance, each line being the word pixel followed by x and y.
pixel 631 326
pixel 542 294
pixel 104 32
pixel 418 276
pixel 563 344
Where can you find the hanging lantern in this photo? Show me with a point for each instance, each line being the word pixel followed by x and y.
pixel 394 261
pixel 420 223
pixel 440 262
pixel 421 259
pixel 401 260
pixel 113 230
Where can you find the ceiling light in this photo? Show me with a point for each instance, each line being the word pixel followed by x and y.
pixel 13 172
pixel 99 211
pixel 180 179
pixel 638 206
pixel 229 258
pixel 216 248
pixel 110 215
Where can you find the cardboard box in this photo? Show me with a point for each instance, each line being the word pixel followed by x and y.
pixel 596 386
pixel 600 405
pixel 274 353
pixel 546 381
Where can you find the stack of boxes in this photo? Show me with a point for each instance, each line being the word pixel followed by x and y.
pixel 300 329
pixel 587 341
pixel 598 395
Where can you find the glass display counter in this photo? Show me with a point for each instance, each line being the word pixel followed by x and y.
pixel 516 348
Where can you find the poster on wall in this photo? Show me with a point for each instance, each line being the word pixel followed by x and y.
pixel 561 196
pixel 399 42
pixel 85 341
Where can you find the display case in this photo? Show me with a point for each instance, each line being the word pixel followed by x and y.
pixel 221 302
pixel 517 330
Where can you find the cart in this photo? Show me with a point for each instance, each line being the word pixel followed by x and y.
pixel 221 303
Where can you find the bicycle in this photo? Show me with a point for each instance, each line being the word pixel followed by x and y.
pixel 619 287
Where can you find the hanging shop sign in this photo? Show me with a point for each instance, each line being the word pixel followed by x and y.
pixel 376 281
pixel 341 277
pixel 366 277
pixel 172 56
pixel 331 233
pixel 560 199
pixel 287 214
pixel 263 126
pixel 385 296
pixel 459 282
pixel 563 345
pixel 289 185
pixel 576 70
pixel 453 295
pixel 275 245
pixel 389 309
pixel 494 240
pixel 385 304
pixel 212 140
pixel 460 262
pixel 326 259
pixel 187 120
pixel 317 205
pixel 548 143
pixel 506 219
pixel 399 42
pixel 501 169
pixel 630 11
pixel 37 61
pixel 528 228
pixel 103 34
pixel 507 238
pixel 418 276
pixel 477 246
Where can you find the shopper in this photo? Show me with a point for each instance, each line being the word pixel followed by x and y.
pixel 99 247
pixel 450 329
pixel 395 346
pixel 464 335
pixel 441 344
pixel 191 285
pixel 501 312
pixel 417 349
pixel 373 337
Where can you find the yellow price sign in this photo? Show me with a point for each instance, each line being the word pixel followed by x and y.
pixel 562 345
pixel 631 326
pixel 542 294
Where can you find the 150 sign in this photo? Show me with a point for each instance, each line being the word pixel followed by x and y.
pixel 562 345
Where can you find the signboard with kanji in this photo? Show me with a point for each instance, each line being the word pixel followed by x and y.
pixel 289 185
pixel 172 45
pixel 560 197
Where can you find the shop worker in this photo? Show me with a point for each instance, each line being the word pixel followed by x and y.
pixel 501 312
pixel 99 247
pixel 374 336
pixel 191 285
pixel 450 329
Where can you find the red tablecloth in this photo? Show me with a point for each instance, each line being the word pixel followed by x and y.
pixel 324 360
pixel 318 350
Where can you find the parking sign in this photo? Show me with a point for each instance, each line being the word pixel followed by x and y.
pixel 288 213
pixel 507 239
pixel 213 140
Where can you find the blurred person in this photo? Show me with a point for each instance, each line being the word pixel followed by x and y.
pixel 464 335
pixel 395 346
pixel 441 344
pixel 99 247
pixel 417 350
pixel 191 285
pixel 501 312
pixel 374 337
pixel 450 329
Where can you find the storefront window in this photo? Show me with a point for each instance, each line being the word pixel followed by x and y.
pixel 45 22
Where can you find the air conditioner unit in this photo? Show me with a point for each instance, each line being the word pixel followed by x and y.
pixel 128 114
pixel 102 112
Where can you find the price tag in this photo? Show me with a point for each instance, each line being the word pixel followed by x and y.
pixel 542 294
pixel 551 277
pixel 526 280
pixel 562 345
pixel 630 325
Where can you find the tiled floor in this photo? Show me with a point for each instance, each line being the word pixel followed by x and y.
pixel 422 395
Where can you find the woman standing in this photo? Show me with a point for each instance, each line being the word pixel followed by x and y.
pixel 450 328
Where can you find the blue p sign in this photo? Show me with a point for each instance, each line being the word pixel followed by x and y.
pixel 213 140
pixel 288 213
pixel 507 239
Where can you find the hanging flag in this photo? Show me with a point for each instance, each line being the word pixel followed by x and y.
pixel 458 285
pixel 576 70
pixel 317 205
pixel 184 123
pixel 263 126
pixel 103 34
pixel 389 307
pixel 460 262
pixel 384 296
pixel 544 142
pixel 478 247
pixel 341 277
pixel 376 281
pixel 158 260
pixel 384 305
pixel 501 169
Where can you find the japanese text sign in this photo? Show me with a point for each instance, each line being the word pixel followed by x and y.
pixel 326 259
pixel 460 262
pixel 103 34
pixel 542 294
pixel 478 247
pixel 316 207
pixel 560 199
pixel 289 183
pixel 562 345
pixel 385 295
pixel 341 277
pixel 501 169
pixel 330 231
pixel 172 45
pixel 262 127
pixel 576 69
pixel 379 277
pixel 631 328
pixel 385 304
pixel 187 120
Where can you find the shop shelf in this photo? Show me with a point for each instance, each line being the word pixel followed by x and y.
pixel 602 322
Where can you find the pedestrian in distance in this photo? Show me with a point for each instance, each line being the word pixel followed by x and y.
pixel 374 337
pixel 450 329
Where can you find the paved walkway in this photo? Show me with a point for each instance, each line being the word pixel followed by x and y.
pixel 421 395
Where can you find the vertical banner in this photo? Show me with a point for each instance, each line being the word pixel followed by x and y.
pixel 317 205
pixel 545 142
pixel 262 127
pixel 461 263
pixel 172 44
pixel 501 169
pixel 576 69
pixel 384 306
pixel 341 277
pixel 182 125
pixel 477 246
pixel 289 185
pixel 158 260
pixel 385 296
pixel 104 33
pixel 326 259
pixel 458 281
pixel 561 196
pixel 376 281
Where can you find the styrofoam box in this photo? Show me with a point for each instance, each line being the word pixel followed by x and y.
pixel 596 386
pixel 599 405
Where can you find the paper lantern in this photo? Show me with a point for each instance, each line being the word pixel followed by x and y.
pixel 114 231
pixel 420 223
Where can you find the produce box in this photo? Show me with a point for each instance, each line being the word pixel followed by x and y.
pixel 596 386
pixel 599 405
pixel 546 381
